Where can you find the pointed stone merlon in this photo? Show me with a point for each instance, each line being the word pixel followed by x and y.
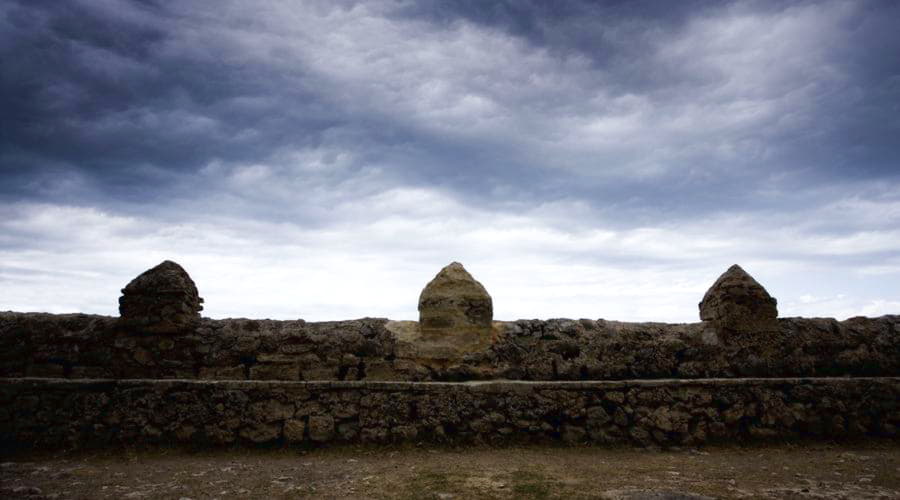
pixel 736 302
pixel 454 304
pixel 163 299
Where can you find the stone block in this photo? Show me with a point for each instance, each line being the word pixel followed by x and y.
pixel 737 302
pixel 274 372
pixel 323 373
pixel 89 372
pixel 161 300
pixel 454 303
pixel 381 370
pixel 271 410
pixel 321 428
pixel 46 370
pixel 261 432
pixel 223 372
pixel 294 430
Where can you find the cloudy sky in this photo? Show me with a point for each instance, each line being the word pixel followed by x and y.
pixel 325 159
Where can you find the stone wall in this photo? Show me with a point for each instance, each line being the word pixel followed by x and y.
pixel 84 346
pixel 53 412
pixel 730 377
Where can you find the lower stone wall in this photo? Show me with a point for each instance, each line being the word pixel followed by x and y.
pixel 59 412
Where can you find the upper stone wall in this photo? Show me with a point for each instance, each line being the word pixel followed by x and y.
pixel 160 335
pixel 84 346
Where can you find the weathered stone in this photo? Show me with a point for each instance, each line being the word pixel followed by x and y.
pixel 185 432
pixel 143 357
pixel 271 411
pixel 275 359
pixel 223 373
pixel 274 372
pixel 217 435
pixel 597 416
pixel 321 428
pixel 641 435
pixel 736 302
pixel 381 370
pixel 666 420
pixel 455 319
pixel 321 373
pixel 309 408
pixel 404 432
pixel 47 370
pixel 44 411
pixel 294 429
pixel 573 434
pixel 89 372
pixel 615 397
pixel 163 299
pixel 453 303
pixel 261 433
pixel 620 417
pixel 347 431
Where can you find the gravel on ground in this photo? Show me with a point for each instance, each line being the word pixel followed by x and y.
pixel 819 470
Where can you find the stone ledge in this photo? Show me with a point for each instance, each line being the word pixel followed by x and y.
pixel 372 349
pixel 472 384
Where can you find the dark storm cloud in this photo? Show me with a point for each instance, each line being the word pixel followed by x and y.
pixel 127 101
pixel 638 108
pixel 99 89
pixel 611 32
pixel 856 123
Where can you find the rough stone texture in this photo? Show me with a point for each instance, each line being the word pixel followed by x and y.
pixel 163 300
pixel 54 412
pixel 454 304
pixel 87 346
pixel 294 430
pixel 321 427
pixel 737 303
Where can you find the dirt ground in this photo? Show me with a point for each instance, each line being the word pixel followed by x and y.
pixel 857 470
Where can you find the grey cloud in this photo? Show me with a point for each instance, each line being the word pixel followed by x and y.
pixel 127 103
pixel 853 120
pixel 102 93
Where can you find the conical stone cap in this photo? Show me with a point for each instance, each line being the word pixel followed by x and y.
pixel 738 302
pixel 163 299
pixel 454 303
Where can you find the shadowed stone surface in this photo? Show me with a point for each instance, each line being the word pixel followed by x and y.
pixel 738 303
pixel 56 413
pixel 453 303
pixel 163 299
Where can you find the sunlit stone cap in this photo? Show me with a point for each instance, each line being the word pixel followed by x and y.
pixel 738 302
pixel 163 299
pixel 454 303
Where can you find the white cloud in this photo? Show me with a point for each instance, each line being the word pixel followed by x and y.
pixel 380 250
pixel 840 306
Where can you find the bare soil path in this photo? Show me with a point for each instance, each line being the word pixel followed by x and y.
pixel 856 470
